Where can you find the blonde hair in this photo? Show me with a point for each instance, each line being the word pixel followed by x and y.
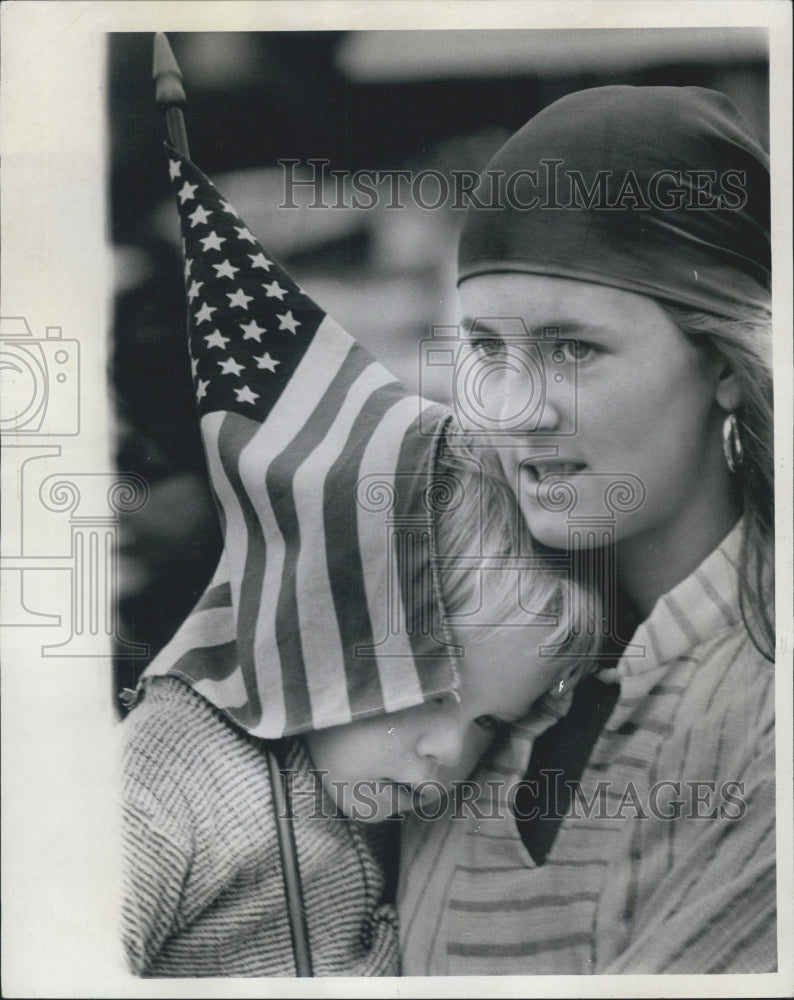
pixel 487 559
pixel 746 345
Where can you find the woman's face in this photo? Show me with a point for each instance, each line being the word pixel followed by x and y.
pixel 585 387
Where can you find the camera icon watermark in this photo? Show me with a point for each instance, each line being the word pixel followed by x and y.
pixel 39 381
pixel 60 546
pixel 474 368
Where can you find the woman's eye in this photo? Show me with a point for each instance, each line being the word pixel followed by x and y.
pixel 489 723
pixel 575 350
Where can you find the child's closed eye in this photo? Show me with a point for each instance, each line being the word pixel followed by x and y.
pixel 490 723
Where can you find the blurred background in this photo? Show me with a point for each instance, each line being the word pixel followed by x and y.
pixel 393 100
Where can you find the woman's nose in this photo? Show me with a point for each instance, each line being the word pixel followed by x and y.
pixel 442 741
pixel 547 418
pixel 530 404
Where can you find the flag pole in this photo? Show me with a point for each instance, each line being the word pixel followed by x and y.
pixel 169 92
pixel 170 97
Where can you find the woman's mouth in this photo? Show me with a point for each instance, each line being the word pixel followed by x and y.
pixel 535 473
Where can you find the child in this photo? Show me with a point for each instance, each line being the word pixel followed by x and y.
pixel 323 636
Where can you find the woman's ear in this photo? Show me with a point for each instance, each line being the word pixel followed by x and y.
pixel 728 393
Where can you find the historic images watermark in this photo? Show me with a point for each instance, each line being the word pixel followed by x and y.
pixel 553 186
pixel 40 381
pixel 666 799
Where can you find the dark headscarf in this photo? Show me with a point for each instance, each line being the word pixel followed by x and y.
pixel 662 191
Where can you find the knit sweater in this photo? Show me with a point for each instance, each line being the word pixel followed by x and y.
pixel 665 860
pixel 204 894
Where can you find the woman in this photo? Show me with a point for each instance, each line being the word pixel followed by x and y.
pixel 619 301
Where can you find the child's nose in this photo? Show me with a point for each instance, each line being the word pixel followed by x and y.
pixel 443 743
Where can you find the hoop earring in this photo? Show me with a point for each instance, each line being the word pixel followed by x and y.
pixel 732 443
pixel 559 688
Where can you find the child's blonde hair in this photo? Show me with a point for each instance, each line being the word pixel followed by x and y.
pixel 490 569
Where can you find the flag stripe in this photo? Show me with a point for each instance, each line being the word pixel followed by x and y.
pixel 332 696
pixel 217 662
pixel 426 632
pixel 210 627
pixel 217 596
pixel 325 356
pixel 385 417
pixel 228 692
pixel 378 485
pixel 349 567
pixel 235 433
pixel 234 523
pixel 280 487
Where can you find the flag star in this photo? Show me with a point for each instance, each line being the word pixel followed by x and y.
pixel 267 362
pixel 212 242
pixel 244 234
pixel 194 367
pixel 239 298
pixel 226 269
pixel 228 208
pixel 199 216
pixel 205 313
pixel 187 192
pixel 231 367
pixel 188 265
pixel 252 331
pixel 194 290
pixel 216 339
pixel 259 260
pixel 201 388
pixel 288 322
pixel 245 395
pixel 274 289
pixel 174 169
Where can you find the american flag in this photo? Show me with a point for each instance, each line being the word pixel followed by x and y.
pixel 323 608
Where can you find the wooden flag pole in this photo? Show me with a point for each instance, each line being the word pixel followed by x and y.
pixel 170 93
pixel 170 96
pixel 289 866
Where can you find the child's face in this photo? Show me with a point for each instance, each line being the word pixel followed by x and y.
pixel 374 766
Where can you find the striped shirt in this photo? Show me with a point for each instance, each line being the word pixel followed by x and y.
pixel 204 893
pixel 665 858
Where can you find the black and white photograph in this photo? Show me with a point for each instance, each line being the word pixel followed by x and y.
pixel 397 492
